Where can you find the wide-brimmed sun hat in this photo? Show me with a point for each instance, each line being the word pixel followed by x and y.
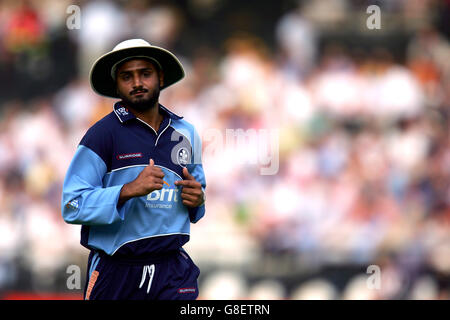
pixel 103 70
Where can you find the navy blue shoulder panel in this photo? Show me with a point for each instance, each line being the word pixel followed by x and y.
pixel 99 137
pixel 169 146
pixel 133 145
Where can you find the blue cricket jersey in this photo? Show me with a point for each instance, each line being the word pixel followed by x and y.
pixel 112 153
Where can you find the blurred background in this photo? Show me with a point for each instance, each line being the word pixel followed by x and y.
pixel 364 149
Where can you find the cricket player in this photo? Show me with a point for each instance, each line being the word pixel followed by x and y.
pixel 136 182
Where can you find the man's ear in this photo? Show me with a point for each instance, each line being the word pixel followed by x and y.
pixel 161 78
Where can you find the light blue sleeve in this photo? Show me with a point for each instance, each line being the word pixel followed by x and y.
pixel 84 199
pixel 196 170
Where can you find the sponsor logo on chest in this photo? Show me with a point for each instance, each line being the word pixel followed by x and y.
pixel 164 198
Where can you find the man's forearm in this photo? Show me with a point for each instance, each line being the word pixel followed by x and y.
pixel 126 193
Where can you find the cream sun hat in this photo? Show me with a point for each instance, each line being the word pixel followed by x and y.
pixel 102 74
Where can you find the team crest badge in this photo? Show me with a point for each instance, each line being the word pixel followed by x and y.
pixel 183 157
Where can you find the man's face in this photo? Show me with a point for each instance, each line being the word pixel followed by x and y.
pixel 138 82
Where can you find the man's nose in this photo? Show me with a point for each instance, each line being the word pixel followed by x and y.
pixel 137 81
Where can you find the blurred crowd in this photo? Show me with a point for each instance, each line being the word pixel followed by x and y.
pixel 363 143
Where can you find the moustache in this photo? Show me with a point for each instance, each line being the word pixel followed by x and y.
pixel 139 90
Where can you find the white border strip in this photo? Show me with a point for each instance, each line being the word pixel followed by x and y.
pixel 144 165
pixel 147 125
pixel 168 125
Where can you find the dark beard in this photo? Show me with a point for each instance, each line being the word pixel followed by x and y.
pixel 144 104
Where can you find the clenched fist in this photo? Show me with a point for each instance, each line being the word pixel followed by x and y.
pixel 192 193
pixel 150 179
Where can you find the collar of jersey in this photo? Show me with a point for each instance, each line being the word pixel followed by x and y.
pixel 125 115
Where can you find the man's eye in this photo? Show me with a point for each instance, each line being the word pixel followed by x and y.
pixel 146 74
pixel 125 77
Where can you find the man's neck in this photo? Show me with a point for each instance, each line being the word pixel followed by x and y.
pixel 151 116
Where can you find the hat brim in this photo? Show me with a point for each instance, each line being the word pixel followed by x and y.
pixel 100 74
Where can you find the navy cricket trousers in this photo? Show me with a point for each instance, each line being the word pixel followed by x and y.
pixel 170 276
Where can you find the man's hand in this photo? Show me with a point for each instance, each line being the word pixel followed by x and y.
pixel 150 179
pixel 192 193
